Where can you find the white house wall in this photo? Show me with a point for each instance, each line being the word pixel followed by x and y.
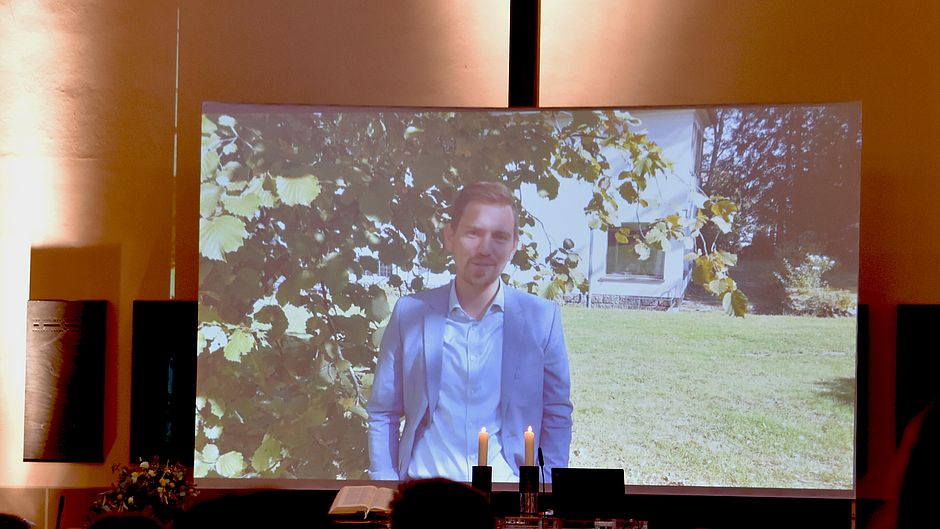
pixel 564 217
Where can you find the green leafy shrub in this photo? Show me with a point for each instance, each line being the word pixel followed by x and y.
pixel 808 293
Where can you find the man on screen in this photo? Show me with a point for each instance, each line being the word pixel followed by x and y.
pixel 474 353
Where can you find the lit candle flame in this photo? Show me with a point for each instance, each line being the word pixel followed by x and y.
pixel 483 430
pixel 529 438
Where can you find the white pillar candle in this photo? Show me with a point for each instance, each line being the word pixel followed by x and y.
pixel 529 447
pixel 484 445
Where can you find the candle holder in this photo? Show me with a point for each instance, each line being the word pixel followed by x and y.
pixel 528 489
pixel 481 478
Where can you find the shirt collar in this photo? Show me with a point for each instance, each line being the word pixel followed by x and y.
pixel 496 305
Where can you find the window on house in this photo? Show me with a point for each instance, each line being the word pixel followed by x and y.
pixel 624 262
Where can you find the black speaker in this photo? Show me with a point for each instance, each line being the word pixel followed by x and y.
pixel 918 362
pixel 163 381
pixel 64 412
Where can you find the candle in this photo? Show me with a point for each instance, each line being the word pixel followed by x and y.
pixel 529 447
pixel 484 444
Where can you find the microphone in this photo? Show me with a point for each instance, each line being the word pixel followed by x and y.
pixel 58 516
pixel 542 467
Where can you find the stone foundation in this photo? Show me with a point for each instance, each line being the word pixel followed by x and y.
pixel 619 301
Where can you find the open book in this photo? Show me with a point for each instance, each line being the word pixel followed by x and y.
pixel 362 499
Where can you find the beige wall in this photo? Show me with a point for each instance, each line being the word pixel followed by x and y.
pixel 86 105
pixel 87 114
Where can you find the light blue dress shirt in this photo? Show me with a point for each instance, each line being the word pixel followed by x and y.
pixel 469 398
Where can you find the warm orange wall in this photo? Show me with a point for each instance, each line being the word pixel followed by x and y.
pixel 86 126
pixel 85 162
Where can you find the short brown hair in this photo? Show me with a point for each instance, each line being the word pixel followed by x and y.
pixel 487 193
pixel 439 502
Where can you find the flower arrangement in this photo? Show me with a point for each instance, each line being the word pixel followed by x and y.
pixel 161 490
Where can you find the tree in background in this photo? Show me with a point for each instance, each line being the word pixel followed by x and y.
pixel 296 208
pixel 791 171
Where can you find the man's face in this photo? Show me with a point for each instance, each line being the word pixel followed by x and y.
pixel 482 243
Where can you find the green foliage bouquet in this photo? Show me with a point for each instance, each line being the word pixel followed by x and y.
pixel 161 490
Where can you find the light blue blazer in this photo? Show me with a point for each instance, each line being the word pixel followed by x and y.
pixel 535 380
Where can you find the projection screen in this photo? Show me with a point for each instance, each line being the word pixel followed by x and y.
pixel 705 261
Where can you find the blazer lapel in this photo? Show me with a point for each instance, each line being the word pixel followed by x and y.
pixel 434 321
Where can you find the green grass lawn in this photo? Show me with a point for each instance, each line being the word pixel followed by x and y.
pixel 700 398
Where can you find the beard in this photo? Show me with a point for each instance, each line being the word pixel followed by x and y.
pixel 480 272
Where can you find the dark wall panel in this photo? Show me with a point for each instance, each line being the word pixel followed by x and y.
pixel 64 409
pixel 163 381
pixel 918 361
pixel 862 388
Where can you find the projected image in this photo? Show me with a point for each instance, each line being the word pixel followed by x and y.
pixel 673 293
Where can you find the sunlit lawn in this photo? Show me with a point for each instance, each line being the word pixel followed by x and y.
pixel 700 398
